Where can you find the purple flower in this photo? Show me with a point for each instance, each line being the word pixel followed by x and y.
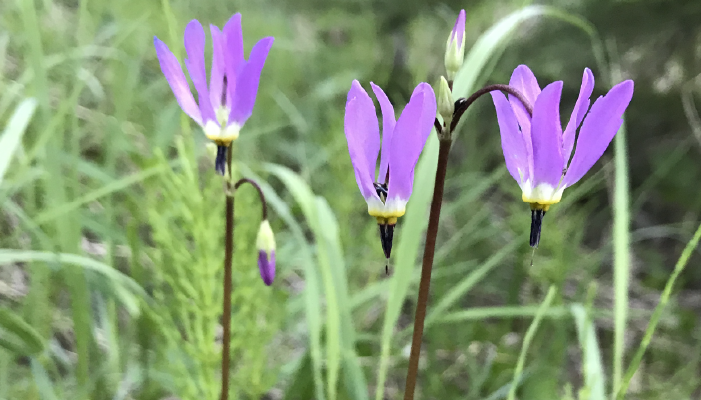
pixel 537 151
pixel 266 252
pixel 402 141
pixel 226 104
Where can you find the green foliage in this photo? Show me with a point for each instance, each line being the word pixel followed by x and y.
pixel 111 217
pixel 186 263
pixel 17 335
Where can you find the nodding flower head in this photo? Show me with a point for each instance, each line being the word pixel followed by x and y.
pixel 537 151
pixel 402 142
pixel 455 47
pixel 227 102
pixel 266 252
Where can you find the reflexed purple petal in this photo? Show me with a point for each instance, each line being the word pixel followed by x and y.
pixel 547 136
pixel 599 127
pixel 234 52
pixel 194 46
pixel 388 122
pixel 266 265
pixel 525 82
pixel 511 139
pixel 177 81
pixel 216 88
pixel 580 110
pixel 244 95
pixel 459 28
pixel 363 137
pixel 408 140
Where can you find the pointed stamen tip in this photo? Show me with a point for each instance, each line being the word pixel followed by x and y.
pixel 536 224
pixel 220 160
pixel 386 238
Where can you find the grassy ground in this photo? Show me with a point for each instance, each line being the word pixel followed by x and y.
pixel 111 215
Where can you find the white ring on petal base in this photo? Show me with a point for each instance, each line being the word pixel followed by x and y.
pixel 219 135
pixel 541 194
pixel 392 208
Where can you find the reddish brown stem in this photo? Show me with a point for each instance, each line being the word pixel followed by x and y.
pixel 260 194
pixel 426 268
pixel 432 231
pixel 490 88
pixel 228 258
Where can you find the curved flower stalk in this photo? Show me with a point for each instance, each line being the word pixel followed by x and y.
pixel 402 142
pixel 537 151
pixel 227 102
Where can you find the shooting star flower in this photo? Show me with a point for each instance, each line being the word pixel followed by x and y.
pixel 226 104
pixel 402 143
pixel 537 151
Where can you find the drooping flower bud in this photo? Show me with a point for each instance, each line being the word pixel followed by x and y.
pixel 446 106
pixel 266 252
pixel 455 48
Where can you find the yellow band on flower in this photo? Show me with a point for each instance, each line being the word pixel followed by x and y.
pixel 540 206
pixel 221 142
pixel 386 221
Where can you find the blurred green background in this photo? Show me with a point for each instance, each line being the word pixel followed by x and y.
pixel 111 216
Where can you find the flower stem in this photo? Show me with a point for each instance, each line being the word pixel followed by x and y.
pixel 228 257
pixel 260 194
pixel 463 105
pixel 426 268
pixel 430 248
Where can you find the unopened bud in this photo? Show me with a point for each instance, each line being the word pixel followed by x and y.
pixel 266 252
pixel 446 106
pixel 455 47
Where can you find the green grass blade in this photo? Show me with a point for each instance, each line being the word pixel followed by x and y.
pixel 530 333
pixel 33 29
pixel 594 378
pixel 12 135
pixel 457 292
pixel 42 381
pixel 354 378
pixel 306 200
pixel 340 332
pixel 482 313
pixel 664 299
pixel 123 287
pixel 333 317
pixel 621 255
pixel 312 288
pixel 489 44
pixel 18 334
pixel 117 185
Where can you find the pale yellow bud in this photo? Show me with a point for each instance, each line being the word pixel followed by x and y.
pixel 266 238
pixel 446 105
